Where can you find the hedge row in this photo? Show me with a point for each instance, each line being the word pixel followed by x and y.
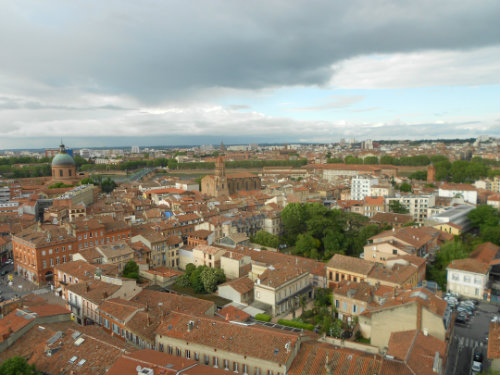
pixel 263 317
pixel 294 324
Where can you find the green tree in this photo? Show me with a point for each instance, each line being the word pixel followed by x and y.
pixel 293 217
pixel 108 185
pixel 405 187
pixel 209 279
pixel 419 175
pixel 334 161
pixel 483 215
pixel 491 234
pixel 370 160
pixel 265 239
pixel 190 268
pixel 17 366
pixel 349 159
pixel 195 280
pixel 397 207
pixel 131 270
pixel 305 244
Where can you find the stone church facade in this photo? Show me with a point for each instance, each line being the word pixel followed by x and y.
pixel 222 184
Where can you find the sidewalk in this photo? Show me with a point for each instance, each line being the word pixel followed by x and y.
pixel 22 286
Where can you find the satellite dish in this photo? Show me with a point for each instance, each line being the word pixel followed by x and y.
pixel 138 368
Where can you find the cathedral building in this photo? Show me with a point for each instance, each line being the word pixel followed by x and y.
pixel 63 167
pixel 222 184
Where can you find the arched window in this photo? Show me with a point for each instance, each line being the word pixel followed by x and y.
pixel 60 173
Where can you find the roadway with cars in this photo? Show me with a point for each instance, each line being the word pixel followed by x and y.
pixel 469 338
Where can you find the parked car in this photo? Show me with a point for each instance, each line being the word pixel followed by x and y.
pixel 477 367
pixel 460 320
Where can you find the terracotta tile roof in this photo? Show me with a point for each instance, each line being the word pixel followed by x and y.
pixel 350 264
pixel 494 341
pixel 93 356
pixel 469 265
pixel 231 337
pixel 231 313
pixel 207 249
pixel 416 350
pixel 356 291
pixel 232 255
pixel 388 217
pixel 164 271
pixel 94 290
pixel 464 187
pixel 399 274
pixel 120 308
pixel 485 252
pixel 242 285
pixel 277 275
pixel 374 201
pixel 240 175
pixel 77 268
pixel 158 362
pixel 315 357
pixel 173 302
pixel 423 296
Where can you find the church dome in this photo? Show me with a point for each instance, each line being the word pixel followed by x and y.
pixel 62 158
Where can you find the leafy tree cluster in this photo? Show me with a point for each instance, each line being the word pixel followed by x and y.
pixel 265 239
pixel 202 279
pixel 131 270
pixel 419 175
pixel 59 185
pixel 40 170
pixel 319 233
pixel 17 366
pixel 398 208
pixel 448 252
pixel 23 160
pixel 107 185
pixel 486 219
pixel 404 187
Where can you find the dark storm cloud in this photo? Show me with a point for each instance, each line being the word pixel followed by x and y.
pixel 154 50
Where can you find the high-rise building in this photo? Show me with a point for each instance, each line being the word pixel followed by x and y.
pixel 135 150
pixel 361 186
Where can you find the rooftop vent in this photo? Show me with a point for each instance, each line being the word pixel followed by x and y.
pixel 75 335
pixel 79 341
pixel 81 362
pixel 54 338
pixel 73 359
pixel 144 370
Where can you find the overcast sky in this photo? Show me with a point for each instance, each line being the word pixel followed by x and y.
pixel 161 72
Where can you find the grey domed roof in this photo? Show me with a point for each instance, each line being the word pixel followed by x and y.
pixel 62 158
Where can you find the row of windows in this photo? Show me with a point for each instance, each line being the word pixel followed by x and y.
pixel 466 278
pixel 354 308
pixel 214 361
pixel 56 250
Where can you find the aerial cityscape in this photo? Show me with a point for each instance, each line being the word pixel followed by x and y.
pixel 255 188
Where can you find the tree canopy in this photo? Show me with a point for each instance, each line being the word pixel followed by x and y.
pixel 317 232
pixel 17 366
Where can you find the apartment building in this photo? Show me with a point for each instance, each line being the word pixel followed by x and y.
pixel 361 186
pixel 37 250
pixel 253 349
pixel 417 205
pixel 281 287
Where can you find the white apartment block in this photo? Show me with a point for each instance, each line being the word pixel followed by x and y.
pixel 361 187
pixel 417 205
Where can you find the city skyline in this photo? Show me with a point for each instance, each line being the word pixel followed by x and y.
pixel 293 72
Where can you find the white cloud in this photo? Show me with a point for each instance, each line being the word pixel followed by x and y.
pixel 419 69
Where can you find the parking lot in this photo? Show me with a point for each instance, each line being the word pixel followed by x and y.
pixel 470 337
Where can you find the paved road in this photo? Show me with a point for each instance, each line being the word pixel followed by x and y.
pixel 19 287
pixel 468 338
